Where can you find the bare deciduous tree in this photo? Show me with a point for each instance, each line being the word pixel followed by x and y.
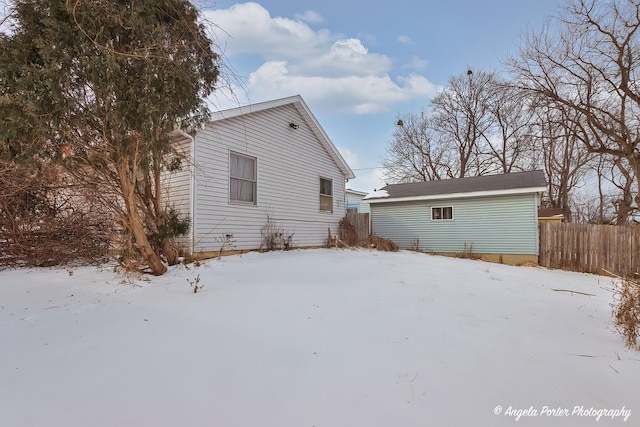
pixel 414 154
pixel 588 68
pixel 461 119
pixel 614 174
pixel 476 126
pixel 6 11
pixel 509 142
pixel 563 156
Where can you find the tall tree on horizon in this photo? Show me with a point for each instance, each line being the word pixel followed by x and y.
pixel 587 67
pixel 477 125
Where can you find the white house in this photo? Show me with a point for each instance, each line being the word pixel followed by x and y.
pixel 355 202
pixel 266 168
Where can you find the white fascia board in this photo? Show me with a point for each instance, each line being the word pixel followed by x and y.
pixel 356 192
pixel 459 195
pixel 253 108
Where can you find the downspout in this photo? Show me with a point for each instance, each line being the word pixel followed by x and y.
pixel 344 195
pixel 536 202
pixel 192 188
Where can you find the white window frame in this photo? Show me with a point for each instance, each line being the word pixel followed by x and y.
pixel 442 211
pixel 254 182
pixel 321 195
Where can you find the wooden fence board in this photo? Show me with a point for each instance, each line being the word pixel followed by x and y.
pixel 590 248
pixel 360 222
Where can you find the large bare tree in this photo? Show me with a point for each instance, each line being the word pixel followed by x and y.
pixel 414 154
pixel 461 119
pixel 477 125
pixel 587 67
pixel 564 158
pixel 509 143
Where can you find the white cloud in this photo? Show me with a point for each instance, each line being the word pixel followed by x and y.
pixel 326 68
pixel 310 17
pixel 355 94
pixel 345 58
pixel 248 28
pixel 405 40
pixel 416 63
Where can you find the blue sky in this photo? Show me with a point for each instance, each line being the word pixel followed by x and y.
pixel 358 65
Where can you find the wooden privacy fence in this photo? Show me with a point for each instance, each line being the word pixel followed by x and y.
pixel 590 248
pixel 360 223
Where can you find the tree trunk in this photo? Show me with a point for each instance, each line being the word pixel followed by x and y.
pixel 625 208
pixel 134 222
pixel 170 251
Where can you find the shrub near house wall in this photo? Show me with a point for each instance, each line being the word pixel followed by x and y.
pixel 42 222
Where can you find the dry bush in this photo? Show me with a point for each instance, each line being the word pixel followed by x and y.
pixel 348 232
pixel 44 222
pixel 467 253
pixel 626 310
pixel 379 243
pixel 349 238
pixel 274 237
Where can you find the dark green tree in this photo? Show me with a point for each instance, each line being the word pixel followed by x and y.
pixel 101 87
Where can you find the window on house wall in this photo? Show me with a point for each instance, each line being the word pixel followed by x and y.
pixel 442 213
pixel 242 178
pixel 326 195
pixel 352 209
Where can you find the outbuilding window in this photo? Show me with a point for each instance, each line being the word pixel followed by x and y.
pixel 442 213
pixel 242 178
pixel 326 195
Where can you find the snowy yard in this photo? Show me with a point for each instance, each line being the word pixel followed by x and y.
pixel 314 338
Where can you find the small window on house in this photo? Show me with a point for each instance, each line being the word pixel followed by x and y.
pixel 352 209
pixel 442 213
pixel 242 178
pixel 326 195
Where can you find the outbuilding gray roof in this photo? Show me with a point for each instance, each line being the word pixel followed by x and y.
pixel 532 181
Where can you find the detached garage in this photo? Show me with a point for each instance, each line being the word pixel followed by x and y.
pixel 493 217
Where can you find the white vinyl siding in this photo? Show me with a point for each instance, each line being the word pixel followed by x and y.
pixel 176 185
pixel 486 225
pixel 289 164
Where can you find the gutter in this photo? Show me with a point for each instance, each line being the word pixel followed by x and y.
pixel 485 193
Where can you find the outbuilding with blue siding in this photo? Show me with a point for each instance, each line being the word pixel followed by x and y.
pixel 355 204
pixel 492 217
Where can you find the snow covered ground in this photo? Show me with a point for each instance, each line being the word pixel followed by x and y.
pixel 314 338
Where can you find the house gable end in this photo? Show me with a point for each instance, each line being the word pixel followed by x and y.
pixel 306 115
pixel 290 163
